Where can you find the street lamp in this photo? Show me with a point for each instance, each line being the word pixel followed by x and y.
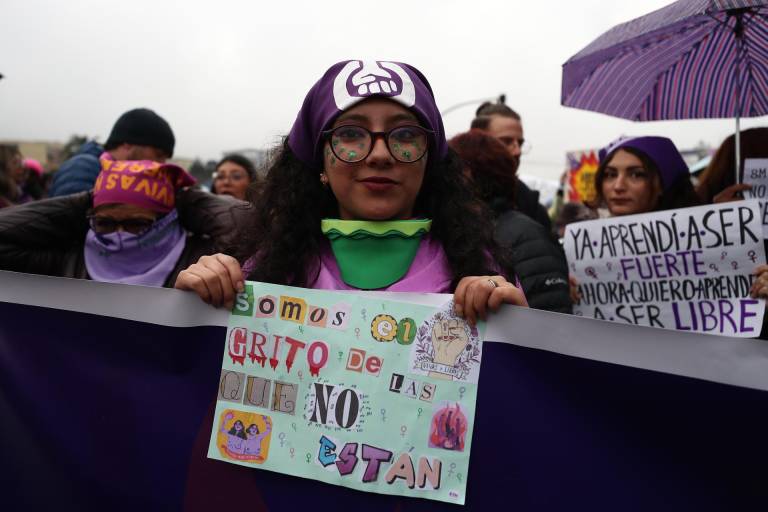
pixel 500 99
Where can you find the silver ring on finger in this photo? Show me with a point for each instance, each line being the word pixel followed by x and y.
pixel 493 283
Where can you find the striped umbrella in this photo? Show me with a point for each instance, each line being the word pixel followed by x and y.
pixel 689 60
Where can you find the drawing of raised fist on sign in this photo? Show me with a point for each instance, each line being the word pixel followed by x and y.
pixel 449 339
pixel 446 347
pixel 373 79
pixel 363 78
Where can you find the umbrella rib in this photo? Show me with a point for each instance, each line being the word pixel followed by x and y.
pixel 717 20
pixel 742 55
pixel 756 11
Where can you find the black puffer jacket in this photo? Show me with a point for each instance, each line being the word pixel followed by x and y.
pixel 48 236
pixel 527 202
pixel 539 261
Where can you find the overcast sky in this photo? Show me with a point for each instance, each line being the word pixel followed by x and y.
pixel 232 74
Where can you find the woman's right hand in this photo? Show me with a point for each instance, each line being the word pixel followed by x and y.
pixel 216 279
pixel 732 193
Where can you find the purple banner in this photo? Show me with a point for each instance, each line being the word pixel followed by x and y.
pixel 98 411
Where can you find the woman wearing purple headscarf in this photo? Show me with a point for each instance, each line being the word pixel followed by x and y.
pixel 365 194
pixel 647 174
pixel 641 175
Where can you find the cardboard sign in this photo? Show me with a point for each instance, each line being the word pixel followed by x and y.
pixel 756 174
pixel 688 269
pixel 369 394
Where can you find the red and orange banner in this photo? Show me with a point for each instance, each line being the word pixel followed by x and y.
pixel 582 167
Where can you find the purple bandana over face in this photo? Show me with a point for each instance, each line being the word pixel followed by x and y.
pixel 147 259
pixel 350 82
pixel 660 150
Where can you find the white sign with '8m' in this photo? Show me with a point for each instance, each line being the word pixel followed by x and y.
pixel 756 176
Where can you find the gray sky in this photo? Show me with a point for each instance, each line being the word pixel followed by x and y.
pixel 231 74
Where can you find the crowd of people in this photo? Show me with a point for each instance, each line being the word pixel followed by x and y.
pixel 365 192
pixel 355 157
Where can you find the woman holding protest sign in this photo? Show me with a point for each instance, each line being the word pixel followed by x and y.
pixel 641 175
pixel 351 161
pixel 717 183
pixel 645 174
pixel 364 194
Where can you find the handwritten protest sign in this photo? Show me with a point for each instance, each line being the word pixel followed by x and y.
pixel 370 394
pixel 756 174
pixel 687 269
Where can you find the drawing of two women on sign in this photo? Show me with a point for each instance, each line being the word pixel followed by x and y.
pixel 237 442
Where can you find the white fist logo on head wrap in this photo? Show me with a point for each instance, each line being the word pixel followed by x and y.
pixel 372 78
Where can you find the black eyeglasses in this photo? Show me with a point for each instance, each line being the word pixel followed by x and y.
pixel 351 144
pixel 104 225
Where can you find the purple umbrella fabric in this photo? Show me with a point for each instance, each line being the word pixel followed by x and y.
pixel 683 61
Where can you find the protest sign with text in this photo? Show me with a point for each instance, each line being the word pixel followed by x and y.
pixel 756 175
pixel 688 269
pixel 366 393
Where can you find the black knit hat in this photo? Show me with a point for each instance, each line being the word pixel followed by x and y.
pixel 143 127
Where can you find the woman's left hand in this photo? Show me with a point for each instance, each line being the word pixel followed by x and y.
pixel 475 295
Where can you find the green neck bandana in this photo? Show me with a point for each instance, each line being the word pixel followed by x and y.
pixel 372 254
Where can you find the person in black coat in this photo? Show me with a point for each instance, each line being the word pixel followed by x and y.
pixel 142 224
pixel 538 259
pixel 506 125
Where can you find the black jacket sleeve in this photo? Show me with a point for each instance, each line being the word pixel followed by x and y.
pixel 216 217
pixel 45 237
pixel 538 259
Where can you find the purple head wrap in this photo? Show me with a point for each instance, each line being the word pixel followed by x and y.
pixel 349 82
pixel 660 150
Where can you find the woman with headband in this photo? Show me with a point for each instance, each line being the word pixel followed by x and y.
pixel 366 156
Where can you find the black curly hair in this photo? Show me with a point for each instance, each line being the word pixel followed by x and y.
pixel 284 241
